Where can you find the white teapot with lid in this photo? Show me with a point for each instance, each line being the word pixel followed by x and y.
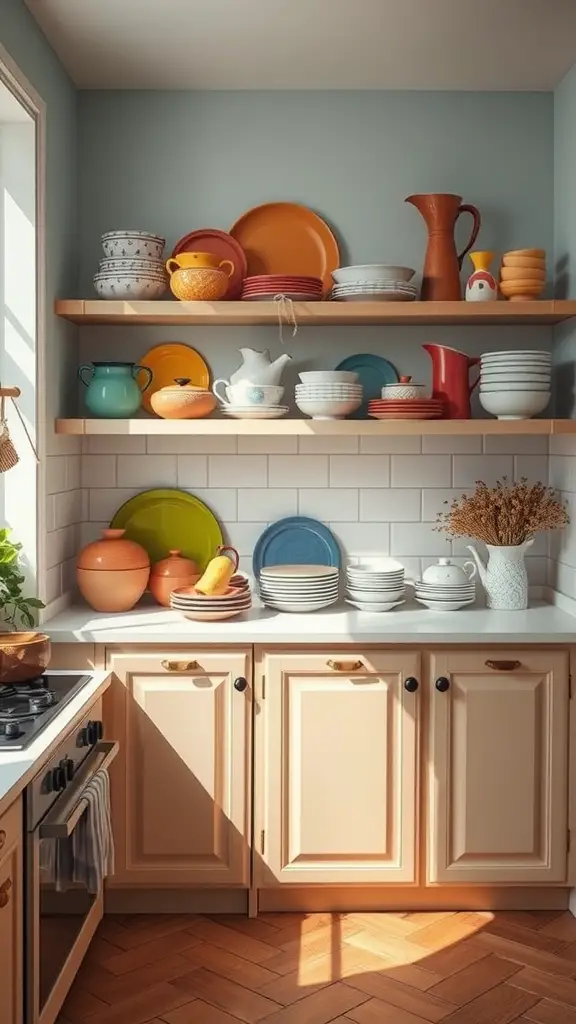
pixel 446 574
pixel 258 368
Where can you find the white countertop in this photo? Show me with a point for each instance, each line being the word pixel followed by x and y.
pixel 17 766
pixel 541 623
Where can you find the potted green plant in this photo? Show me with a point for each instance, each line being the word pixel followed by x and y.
pixel 16 610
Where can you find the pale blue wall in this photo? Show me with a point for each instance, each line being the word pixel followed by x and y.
pixel 173 161
pixel 564 351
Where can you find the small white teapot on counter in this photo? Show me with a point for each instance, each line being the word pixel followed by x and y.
pixel 446 574
pixel 258 368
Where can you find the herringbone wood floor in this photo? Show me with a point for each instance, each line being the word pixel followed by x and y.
pixel 412 968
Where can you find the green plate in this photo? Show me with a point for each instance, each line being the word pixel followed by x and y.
pixel 161 520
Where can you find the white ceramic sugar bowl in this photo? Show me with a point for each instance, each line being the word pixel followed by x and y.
pixel 445 574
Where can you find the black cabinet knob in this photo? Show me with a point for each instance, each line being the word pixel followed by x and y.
pixel 68 765
pixel 240 684
pixel 411 684
pixel 442 684
pixel 58 779
pixel 99 730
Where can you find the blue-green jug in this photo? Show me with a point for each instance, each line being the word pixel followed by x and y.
pixel 113 391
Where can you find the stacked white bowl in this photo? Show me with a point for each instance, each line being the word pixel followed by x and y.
pixel 380 282
pixel 446 587
pixel 328 394
pixel 375 586
pixel 133 267
pixel 515 385
pixel 299 588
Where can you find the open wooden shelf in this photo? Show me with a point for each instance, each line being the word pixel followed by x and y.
pixel 102 311
pixel 335 428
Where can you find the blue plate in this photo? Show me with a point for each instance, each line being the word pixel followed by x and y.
pixel 296 540
pixel 373 373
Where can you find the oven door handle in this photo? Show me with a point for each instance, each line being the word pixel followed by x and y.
pixel 61 821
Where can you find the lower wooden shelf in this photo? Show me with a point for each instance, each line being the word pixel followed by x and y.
pixel 308 428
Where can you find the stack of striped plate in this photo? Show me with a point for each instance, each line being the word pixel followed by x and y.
pixel 213 607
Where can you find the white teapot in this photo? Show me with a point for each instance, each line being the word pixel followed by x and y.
pixel 448 575
pixel 258 368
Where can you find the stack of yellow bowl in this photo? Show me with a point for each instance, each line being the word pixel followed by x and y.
pixel 523 274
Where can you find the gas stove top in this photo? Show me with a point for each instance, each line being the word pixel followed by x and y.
pixel 27 708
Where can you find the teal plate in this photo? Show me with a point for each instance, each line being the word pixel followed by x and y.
pixel 373 373
pixel 168 519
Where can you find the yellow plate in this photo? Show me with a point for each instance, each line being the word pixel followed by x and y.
pixel 169 361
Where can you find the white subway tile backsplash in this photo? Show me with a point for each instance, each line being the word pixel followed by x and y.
pixel 222 501
pixel 192 470
pixel 391 445
pixel 563 444
pixel 563 578
pixel 515 444
pixel 237 471
pixel 417 539
pixel 73 472
pixel 298 471
pixel 186 445
pixel 421 471
pixel 52 584
pixel 115 444
pixel 266 504
pixel 323 503
pixel 243 536
pixel 470 468
pixel 562 472
pixel 61 545
pixel 321 445
pixel 50 513
pixel 359 470
pixel 533 467
pixel 104 502
pixel 362 538
pixel 67 509
pixel 56 473
pixel 267 445
pixel 390 505
pixel 449 444
pixel 435 500
pixel 99 471
pixel 91 531
pixel 147 471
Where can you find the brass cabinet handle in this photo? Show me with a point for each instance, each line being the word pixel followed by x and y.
pixel 5 893
pixel 345 666
pixel 502 666
pixel 2 838
pixel 180 666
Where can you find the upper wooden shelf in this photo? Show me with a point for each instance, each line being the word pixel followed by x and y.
pixel 301 427
pixel 102 311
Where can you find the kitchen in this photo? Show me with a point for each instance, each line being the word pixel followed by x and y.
pixel 270 849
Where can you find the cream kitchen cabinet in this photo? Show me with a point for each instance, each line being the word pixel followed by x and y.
pixel 181 787
pixel 498 766
pixel 11 931
pixel 336 788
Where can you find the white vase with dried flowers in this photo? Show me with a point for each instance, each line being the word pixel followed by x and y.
pixel 506 518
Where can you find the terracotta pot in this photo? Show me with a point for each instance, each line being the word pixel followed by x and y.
pixel 23 656
pixel 204 284
pixel 112 573
pixel 170 574
pixel 441 276
pixel 182 401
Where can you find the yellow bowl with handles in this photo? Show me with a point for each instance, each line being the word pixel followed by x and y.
pixel 202 285
pixel 198 261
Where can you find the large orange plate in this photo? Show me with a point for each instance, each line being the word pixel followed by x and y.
pixel 285 238
pixel 169 361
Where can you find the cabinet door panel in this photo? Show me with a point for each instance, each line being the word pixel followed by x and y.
pixel 498 769
pixel 337 770
pixel 11 941
pixel 186 761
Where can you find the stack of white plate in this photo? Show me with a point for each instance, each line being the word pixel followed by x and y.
pixel 444 597
pixel 376 586
pixel 515 385
pixel 377 282
pixel 299 588
pixel 330 400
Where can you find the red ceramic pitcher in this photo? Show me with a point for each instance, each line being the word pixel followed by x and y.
pixel 441 275
pixel 451 380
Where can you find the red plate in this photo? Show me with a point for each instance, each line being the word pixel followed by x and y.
pixel 294 286
pixel 223 245
pixel 314 282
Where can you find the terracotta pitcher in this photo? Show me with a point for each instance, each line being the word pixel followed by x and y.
pixel 451 380
pixel 441 276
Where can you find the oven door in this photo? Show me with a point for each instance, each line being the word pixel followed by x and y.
pixel 60 924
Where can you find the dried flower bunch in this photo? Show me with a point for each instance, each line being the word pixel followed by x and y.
pixel 506 514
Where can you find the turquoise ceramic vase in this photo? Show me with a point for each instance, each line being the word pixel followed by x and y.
pixel 113 391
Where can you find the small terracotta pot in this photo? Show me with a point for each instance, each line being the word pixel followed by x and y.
pixel 182 401
pixel 170 574
pixel 112 573
pixel 23 656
